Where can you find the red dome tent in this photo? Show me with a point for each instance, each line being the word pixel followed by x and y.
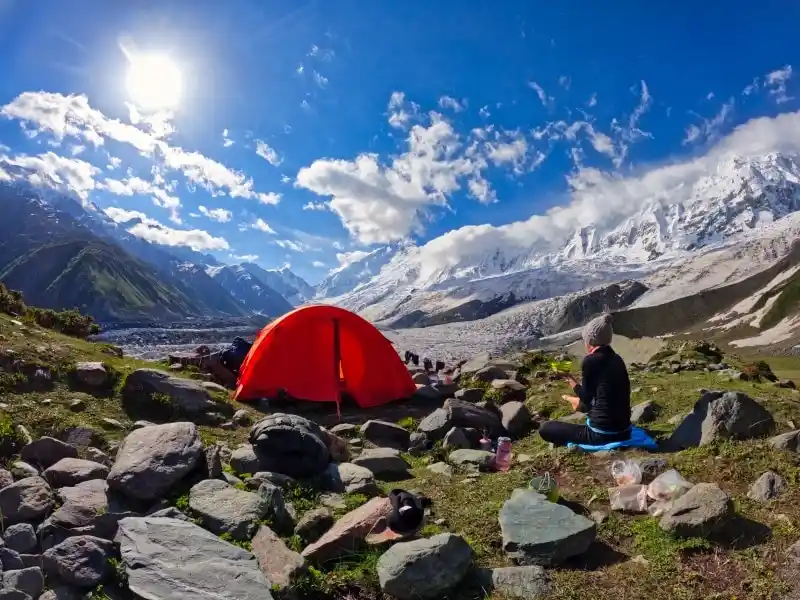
pixel 318 352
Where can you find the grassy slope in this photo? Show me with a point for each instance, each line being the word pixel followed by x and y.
pixel 673 569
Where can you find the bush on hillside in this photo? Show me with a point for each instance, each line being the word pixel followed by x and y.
pixel 68 322
pixel 11 302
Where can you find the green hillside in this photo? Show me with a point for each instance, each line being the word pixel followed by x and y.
pixel 97 278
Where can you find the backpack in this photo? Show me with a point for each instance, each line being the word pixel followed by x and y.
pixel 233 356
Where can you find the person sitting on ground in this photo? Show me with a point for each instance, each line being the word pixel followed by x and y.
pixel 604 394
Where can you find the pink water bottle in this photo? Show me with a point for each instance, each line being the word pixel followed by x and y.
pixel 502 458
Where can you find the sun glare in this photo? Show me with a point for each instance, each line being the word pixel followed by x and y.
pixel 154 82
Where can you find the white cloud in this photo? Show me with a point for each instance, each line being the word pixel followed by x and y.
pixel 484 112
pixel 136 186
pixel 710 96
pixel 291 245
pixel 564 81
pixel 245 257
pixel 259 225
pixel 547 101
pixel 68 175
pixel 514 151
pixel 196 239
pixel 605 200
pixel 346 259
pixel 401 112
pixel 776 82
pixel 592 100
pixel 320 79
pixel 120 215
pixel 383 202
pixel 448 102
pixel 300 69
pixel 318 264
pixel 305 105
pixel 268 153
pixel 315 206
pixel 325 54
pixel 752 88
pixel 77 149
pixel 227 142
pixel 709 129
pixel 630 133
pixel 220 215
pixel 113 163
pixel 285 179
pixel 481 189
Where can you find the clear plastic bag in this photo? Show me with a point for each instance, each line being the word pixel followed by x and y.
pixel 626 472
pixel 668 486
pixel 629 498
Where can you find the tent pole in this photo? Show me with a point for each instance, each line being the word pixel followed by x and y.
pixel 337 360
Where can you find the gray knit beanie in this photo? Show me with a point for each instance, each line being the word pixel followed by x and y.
pixel 598 331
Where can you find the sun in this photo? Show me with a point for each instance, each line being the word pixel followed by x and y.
pixel 154 82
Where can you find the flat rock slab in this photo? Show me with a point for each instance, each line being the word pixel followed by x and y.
pixel 385 434
pixel 72 471
pixel 187 396
pixel 477 458
pixel 170 559
pixel 426 568
pixel 703 510
pixel 538 532
pixel 225 509
pixel 350 478
pixel 770 485
pixel 383 462
pixel 528 583
pixel 786 441
pixel 281 565
pixel 152 459
pixel 29 499
pixel 350 532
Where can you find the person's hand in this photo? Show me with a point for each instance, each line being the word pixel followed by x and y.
pixel 574 401
pixel 573 383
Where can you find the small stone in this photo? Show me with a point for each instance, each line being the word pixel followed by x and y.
pixel 77 405
pixel 112 423
pixel 472 395
pixel 244 460
pixel 333 501
pixel 241 417
pixel 72 471
pixel 277 511
pixel 92 374
pixel 645 412
pixel 456 439
pixel 478 458
pixel 767 487
pixel 528 583
pixel 651 467
pixel 441 468
pixel 786 441
pixel 281 565
pixel 383 462
pixel 599 516
pixel 20 537
pixel 436 424
pixel 350 478
pixel 345 429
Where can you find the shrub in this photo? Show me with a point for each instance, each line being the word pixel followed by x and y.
pixel 68 322
pixel 11 301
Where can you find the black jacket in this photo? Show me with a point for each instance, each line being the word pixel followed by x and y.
pixel 605 390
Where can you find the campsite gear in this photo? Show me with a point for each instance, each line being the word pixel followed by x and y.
pixel 485 443
pixel 439 365
pixel 668 486
pixel 630 498
pixel 546 486
pixel 659 507
pixel 502 459
pixel 319 353
pixel 638 439
pixel 233 356
pixel 415 359
pixel 408 511
pixel 626 472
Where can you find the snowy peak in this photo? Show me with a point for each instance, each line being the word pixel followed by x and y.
pixel 348 277
pixel 243 283
pixel 287 283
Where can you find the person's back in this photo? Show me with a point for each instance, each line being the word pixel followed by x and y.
pixel 606 382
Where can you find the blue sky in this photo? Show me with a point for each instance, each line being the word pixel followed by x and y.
pixel 354 124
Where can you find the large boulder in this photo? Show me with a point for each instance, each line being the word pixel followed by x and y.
pixel 427 568
pixel 350 478
pixel 245 460
pixel 703 510
pixel 383 462
pixel 349 533
pixel 281 565
pixel 539 532
pixel 20 537
pixel 481 459
pixel 29 499
pixel 767 487
pixel 314 524
pixel 158 393
pixel 91 374
pixel 464 414
pixel 722 415
pixel 153 459
pixel 516 419
pixel 81 561
pixel 29 580
pixel 786 441
pixel 47 451
pixel 290 445
pixel 528 583
pixel 489 374
pixel 171 559
pixel 385 435
pixel 225 509
pixel 72 471
pixel 436 424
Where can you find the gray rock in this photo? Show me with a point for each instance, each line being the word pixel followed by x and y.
pixel 20 537
pixel 471 395
pixel 645 412
pixel 456 439
pixel 768 486
pixel 345 429
pixel 171 513
pixel 277 510
pixel 245 460
pixel 427 568
pixel 385 435
pixel 786 441
pixel 436 425
pixel 6 478
pixel 20 469
pixel 152 459
pixel 475 364
pixel 281 565
pixel 77 405
pixel 717 415
pixel 652 467
pixel 528 583
pixel 350 478
pixel 478 458
pixel 489 374
pixel 72 471
pixel 538 532
pixel 98 456
pixel 225 509
pixel 142 423
pixel 241 417
pixel 516 419
pixel 441 468
pixel 703 510
pixel 187 397
pixel 169 559
pixel 82 437
pixel 92 374
pixel 417 443
pixel 212 463
pixel 427 392
pixel 29 581
pixel 314 524
pixel 61 593
pixel 29 499
pixel 112 423
pixel 464 414
pixel 290 445
pixel 509 390
pixel 421 379
pixel 47 451
pixel 11 559
pixel 383 462
pixel 81 561
pixel 17 595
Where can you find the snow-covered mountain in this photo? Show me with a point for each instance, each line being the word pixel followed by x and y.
pixel 249 289
pixel 741 199
pixel 284 281
pixel 346 279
